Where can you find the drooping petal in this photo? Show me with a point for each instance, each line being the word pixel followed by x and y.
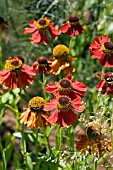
pixel 32 23
pixel 29 30
pixel 69 118
pixel 50 105
pixel 51 87
pixel 65 27
pixel 54 32
pixel 78 105
pixel 53 118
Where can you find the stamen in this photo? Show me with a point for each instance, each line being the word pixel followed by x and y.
pixel 63 103
pixel 73 18
pixel 15 63
pixel 108 77
pixel 42 22
pixel 60 51
pixel 64 85
pixel 108 45
pixel 42 60
pixel 36 104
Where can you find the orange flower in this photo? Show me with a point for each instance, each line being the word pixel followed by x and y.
pixel 16 73
pixel 35 116
pixel 61 61
pixel 93 141
pixel 3 24
pixel 40 29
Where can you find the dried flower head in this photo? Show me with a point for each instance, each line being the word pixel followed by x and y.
pixel 35 116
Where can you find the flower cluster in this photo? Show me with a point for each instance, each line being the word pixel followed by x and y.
pixel 68 100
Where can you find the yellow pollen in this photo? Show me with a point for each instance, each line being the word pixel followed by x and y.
pixel 42 24
pixel 61 52
pixel 13 65
pixel 63 103
pixel 65 85
pixel 36 103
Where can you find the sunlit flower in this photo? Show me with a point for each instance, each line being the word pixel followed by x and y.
pixel 72 27
pixel 39 30
pixel 16 74
pixel 106 83
pixel 63 110
pixel 67 86
pixel 41 65
pixel 61 61
pixel 35 116
pixel 103 50
pixel 3 24
pixel 93 141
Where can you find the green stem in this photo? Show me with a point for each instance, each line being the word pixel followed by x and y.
pixel 47 141
pixel 44 86
pixel 70 44
pixel 59 138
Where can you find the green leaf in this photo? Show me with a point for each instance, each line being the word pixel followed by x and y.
pixel 8 148
pixel 29 163
pixel 16 160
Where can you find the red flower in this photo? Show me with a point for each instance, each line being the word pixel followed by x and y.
pixel 61 61
pixel 63 110
pixel 67 86
pixel 103 50
pixel 39 29
pixel 106 83
pixel 16 74
pixel 35 116
pixel 72 27
pixel 3 24
pixel 41 65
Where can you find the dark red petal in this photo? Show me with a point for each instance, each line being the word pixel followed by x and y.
pixel 70 76
pixel 69 118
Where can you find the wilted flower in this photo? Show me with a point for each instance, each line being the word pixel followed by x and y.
pixel 72 27
pixel 40 29
pixel 61 61
pixel 67 86
pixel 41 65
pixel 3 24
pixel 106 83
pixel 63 110
pixel 93 141
pixel 103 50
pixel 16 74
pixel 35 116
